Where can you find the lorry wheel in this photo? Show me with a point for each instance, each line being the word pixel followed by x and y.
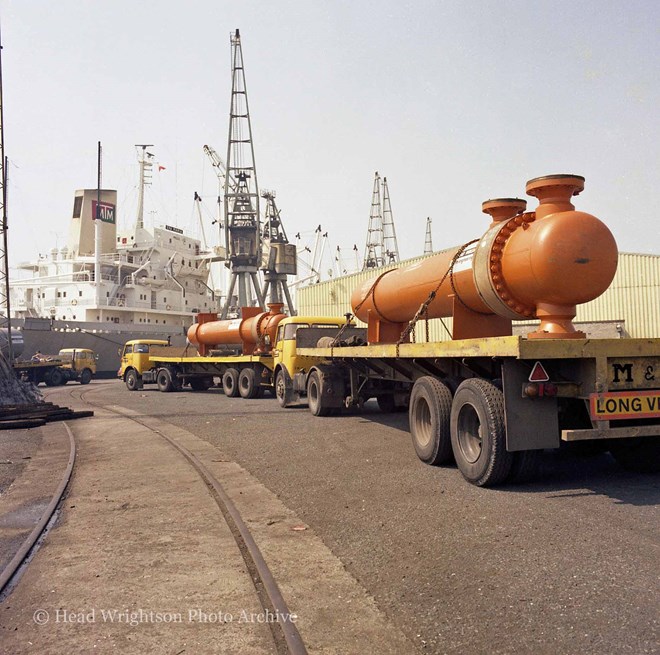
pixel 282 394
pixel 640 454
pixel 478 433
pixel 85 376
pixel 230 383
pixel 247 384
pixel 315 396
pixel 525 466
pixel 57 378
pixel 386 403
pixel 429 413
pixel 201 384
pixel 131 381
pixel 164 381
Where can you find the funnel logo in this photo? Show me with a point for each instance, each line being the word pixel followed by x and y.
pixel 104 211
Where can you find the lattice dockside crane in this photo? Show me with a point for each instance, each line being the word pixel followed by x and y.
pixel 280 258
pixel 382 247
pixel 243 234
pixel 428 241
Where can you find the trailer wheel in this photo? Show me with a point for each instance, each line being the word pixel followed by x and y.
pixel 131 380
pixel 248 387
pixel 282 393
pixel 85 376
pixel 640 454
pixel 386 403
pixel 429 413
pixel 56 378
pixel 315 396
pixel 230 383
pixel 525 466
pixel 201 384
pixel 164 381
pixel 478 433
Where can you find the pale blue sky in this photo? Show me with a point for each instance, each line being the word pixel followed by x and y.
pixel 455 102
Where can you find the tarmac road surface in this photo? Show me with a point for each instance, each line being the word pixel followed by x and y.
pixel 410 557
pixel 566 564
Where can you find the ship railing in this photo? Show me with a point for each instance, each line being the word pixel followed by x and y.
pixel 121 258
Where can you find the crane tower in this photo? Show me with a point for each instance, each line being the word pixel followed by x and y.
pixel 280 258
pixel 241 192
pixel 428 241
pixel 382 247
pixel 390 245
pixel 373 254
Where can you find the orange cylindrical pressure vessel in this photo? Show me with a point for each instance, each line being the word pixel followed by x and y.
pixel 254 333
pixel 397 294
pixel 539 264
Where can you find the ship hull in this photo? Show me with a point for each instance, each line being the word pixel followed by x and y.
pixel 49 337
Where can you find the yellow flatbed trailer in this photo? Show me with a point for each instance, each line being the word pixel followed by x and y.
pixel 244 375
pixel 491 403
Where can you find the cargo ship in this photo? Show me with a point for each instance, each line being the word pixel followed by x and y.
pixel 107 286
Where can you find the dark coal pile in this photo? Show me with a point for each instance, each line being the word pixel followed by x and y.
pixel 14 391
pixel 23 406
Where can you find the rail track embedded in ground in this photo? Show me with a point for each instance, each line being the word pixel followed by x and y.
pixel 285 634
pixel 27 547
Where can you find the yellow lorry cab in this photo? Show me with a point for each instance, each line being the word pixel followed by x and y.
pixel 81 363
pixel 136 353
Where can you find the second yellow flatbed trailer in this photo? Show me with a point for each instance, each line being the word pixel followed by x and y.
pixel 493 404
pixel 244 375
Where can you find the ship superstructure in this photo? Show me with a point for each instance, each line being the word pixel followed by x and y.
pixel 152 276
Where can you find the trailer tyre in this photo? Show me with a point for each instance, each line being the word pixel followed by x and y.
pixel 315 396
pixel 282 393
pixel 248 386
pixel 164 381
pixel 85 376
pixel 429 415
pixel 230 383
pixel 525 466
pixel 386 403
pixel 56 378
pixel 478 433
pixel 131 380
pixel 201 384
pixel 640 454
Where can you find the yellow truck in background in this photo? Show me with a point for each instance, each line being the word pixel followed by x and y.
pixel 69 365
pixel 152 361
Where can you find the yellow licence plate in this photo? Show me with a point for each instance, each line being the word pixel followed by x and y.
pixel 623 405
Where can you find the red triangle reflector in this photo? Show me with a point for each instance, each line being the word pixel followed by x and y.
pixel 538 373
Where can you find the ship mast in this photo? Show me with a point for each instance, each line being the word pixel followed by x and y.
pixel 97 232
pixel 146 165
pixel 243 238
